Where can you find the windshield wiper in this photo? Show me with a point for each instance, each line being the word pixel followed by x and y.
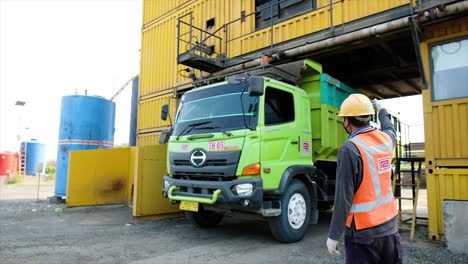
pixel 225 132
pixel 190 127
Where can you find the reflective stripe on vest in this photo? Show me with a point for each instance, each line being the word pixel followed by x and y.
pixel 374 210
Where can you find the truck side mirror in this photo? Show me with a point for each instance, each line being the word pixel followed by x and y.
pixel 164 112
pixel 255 85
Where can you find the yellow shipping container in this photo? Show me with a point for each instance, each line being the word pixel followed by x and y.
pixel 445 103
pixel 443 184
pixel 446 108
pixel 148 139
pixel 159 69
pixel 154 9
pixel 149 113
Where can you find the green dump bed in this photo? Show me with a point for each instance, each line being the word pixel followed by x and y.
pixel 326 95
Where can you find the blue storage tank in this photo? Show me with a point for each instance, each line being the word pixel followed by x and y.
pixel 86 122
pixel 34 154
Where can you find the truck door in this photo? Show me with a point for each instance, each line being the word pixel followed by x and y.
pixel 280 135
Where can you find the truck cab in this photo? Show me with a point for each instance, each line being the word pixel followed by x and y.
pixel 244 147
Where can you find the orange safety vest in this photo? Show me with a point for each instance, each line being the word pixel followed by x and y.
pixel 373 203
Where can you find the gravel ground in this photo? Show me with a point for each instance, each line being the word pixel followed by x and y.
pixel 37 232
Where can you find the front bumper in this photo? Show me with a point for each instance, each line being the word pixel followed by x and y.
pixel 214 192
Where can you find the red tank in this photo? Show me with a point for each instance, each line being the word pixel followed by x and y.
pixel 8 163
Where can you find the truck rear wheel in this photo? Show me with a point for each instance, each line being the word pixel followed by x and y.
pixel 204 219
pixel 291 225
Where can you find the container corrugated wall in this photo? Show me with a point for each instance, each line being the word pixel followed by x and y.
pixel 86 122
pixel 148 139
pixel 158 57
pixel 310 22
pixel 154 9
pixel 445 121
pixel 443 184
pixel 449 133
pixel 149 118
pixel 446 137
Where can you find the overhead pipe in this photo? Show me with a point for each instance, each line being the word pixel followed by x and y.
pixel 349 37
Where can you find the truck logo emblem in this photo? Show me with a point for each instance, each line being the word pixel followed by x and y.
pixel 198 158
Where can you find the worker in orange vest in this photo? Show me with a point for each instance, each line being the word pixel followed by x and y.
pixel 365 208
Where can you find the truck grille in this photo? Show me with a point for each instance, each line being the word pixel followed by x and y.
pixel 213 162
pixel 218 166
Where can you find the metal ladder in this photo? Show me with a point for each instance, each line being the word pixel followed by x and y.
pixel 397 186
pixel 22 159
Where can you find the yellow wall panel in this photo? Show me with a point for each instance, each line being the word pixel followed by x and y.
pixel 310 22
pixel 102 176
pixel 148 201
pixel 148 139
pixel 158 57
pixel 149 112
pixel 446 139
pixel 443 184
pixel 445 122
pixel 154 9
pixel 449 132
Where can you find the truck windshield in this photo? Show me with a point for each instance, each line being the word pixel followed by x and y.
pixel 222 106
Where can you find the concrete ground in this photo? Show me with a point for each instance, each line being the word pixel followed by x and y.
pixel 33 231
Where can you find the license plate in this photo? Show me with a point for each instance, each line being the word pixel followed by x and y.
pixel 188 206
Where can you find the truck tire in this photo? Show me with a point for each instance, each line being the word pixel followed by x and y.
pixel 204 219
pixel 291 225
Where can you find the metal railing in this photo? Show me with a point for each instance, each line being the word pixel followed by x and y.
pixel 409 148
pixel 215 45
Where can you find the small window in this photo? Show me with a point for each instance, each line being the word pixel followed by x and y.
pixel 210 23
pixel 450 70
pixel 279 106
pixel 273 11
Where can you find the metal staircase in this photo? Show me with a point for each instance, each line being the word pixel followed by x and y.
pixel 415 158
pixel 399 196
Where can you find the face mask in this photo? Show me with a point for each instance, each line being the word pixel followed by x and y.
pixel 346 127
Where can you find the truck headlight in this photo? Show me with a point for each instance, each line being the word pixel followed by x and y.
pixel 166 185
pixel 243 189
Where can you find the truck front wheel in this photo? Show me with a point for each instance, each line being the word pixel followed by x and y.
pixel 204 219
pixel 291 225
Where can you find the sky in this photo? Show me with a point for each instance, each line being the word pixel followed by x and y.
pixel 409 110
pixel 53 48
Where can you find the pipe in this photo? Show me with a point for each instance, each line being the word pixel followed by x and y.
pixel 345 38
pixel 133 112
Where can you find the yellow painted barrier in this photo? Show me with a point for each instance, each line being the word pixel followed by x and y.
pixel 148 200
pixel 101 176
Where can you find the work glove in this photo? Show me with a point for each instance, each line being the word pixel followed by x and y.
pixel 377 105
pixel 332 246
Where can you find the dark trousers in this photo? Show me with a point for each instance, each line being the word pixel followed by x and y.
pixel 378 250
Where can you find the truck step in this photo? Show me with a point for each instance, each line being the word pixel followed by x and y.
pixel 271 212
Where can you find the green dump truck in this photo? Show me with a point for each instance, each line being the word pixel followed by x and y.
pixel 257 147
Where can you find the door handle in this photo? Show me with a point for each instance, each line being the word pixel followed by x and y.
pixel 294 142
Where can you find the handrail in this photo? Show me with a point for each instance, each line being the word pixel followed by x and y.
pixel 222 50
